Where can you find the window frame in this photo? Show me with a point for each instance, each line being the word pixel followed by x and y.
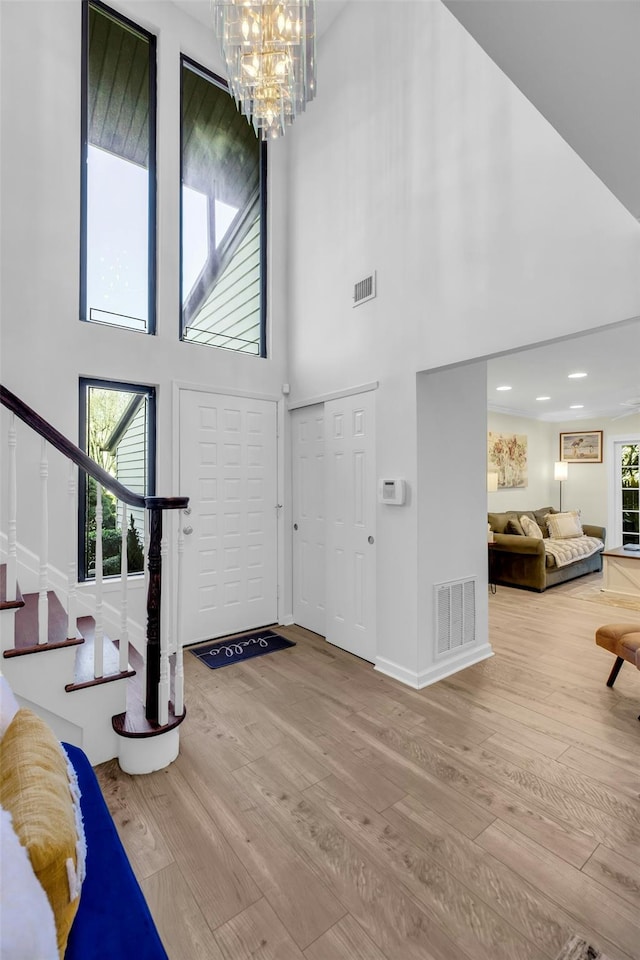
pixel 209 75
pixel 84 168
pixel 146 390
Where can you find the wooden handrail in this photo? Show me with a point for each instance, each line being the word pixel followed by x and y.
pixel 79 457
pixel 155 506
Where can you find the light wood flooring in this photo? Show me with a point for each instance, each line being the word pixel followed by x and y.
pixel 321 811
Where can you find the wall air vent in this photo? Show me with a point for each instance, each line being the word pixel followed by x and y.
pixel 364 290
pixel 455 612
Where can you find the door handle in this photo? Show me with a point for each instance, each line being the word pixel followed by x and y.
pixel 370 540
pixel 187 530
pixel 295 526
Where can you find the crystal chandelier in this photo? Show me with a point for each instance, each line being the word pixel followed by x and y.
pixel 269 47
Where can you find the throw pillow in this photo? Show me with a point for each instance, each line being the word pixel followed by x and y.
pixel 530 527
pixel 23 899
pixel 35 788
pixel 564 526
pixel 514 527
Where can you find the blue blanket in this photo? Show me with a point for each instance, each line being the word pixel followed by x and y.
pixel 113 921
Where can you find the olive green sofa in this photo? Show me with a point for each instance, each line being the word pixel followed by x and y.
pixel 521 561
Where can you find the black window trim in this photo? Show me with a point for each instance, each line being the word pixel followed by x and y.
pixel 220 82
pixel 142 389
pixel 84 146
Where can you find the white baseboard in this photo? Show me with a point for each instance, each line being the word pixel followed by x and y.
pixel 437 671
pixel 287 620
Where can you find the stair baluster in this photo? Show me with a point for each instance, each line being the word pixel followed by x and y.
pixel 12 556
pixel 98 649
pixel 178 674
pixel 72 579
pixel 43 597
pixel 124 602
pixel 163 685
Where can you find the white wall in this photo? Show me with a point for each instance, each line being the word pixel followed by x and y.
pixel 44 347
pixel 421 160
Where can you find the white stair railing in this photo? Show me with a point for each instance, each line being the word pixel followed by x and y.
pixel 12 556
pixel 43 597
pixel 98 646
pixel 123 654
pixel 72 577
pixel 178 680
pixel 163 686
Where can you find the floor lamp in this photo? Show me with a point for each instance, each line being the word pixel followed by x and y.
pixel 560 472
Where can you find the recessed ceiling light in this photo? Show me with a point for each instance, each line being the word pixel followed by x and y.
pixel 576 406
pixel 576 376
pixel 543 398
pixel 505 387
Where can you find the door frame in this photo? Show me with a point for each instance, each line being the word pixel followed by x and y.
pixel 178 386
pixel 614 503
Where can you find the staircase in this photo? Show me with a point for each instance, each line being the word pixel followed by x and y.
pixel 109 697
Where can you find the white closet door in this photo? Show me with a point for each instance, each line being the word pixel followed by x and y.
pixel 350 526
pixel 309 555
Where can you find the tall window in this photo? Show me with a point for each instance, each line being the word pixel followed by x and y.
pixel 118 171
pixel 117 430
pixel 630 490
pixel 222 218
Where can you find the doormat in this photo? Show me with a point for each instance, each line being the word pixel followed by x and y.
pixel 578 949
pixel 221 653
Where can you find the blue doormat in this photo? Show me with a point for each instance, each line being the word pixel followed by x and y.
pixel 223 652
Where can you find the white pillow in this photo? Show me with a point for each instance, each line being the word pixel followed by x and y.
pixel 530 527
pixel 564 526
pixel 28 927
pixel 8 705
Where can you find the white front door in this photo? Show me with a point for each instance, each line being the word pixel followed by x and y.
pixel 350 526
pixel 228 468
pixel 309 557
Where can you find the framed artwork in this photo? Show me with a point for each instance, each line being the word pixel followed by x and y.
pixel 507 455
pixel 585 447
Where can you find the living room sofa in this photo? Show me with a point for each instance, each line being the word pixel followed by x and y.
pixel 68 889
pixel 518 560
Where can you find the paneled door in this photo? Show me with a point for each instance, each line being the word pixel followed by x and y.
pixel 309 555
pixel 228 467
pixel 350 526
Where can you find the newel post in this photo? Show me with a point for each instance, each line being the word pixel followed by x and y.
pixel 154 596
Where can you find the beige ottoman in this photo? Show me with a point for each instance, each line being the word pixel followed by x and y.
pixel 623 641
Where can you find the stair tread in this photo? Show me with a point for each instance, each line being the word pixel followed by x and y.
pixel 84 666
pixel 133 723
pixel 26 627
pixel 4 603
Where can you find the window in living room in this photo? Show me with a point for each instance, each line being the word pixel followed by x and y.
pixel 223 220
pixel 630 493
pixel 117 430
pixel 117 275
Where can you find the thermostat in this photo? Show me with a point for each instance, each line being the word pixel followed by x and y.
pixel 391 491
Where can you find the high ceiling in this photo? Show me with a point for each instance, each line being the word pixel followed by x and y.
pixel 577 62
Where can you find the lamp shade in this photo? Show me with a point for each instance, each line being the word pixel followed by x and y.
pixel 560 470
pixel 492 482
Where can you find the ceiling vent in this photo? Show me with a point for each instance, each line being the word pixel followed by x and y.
pixel 364 290
pixel 455 610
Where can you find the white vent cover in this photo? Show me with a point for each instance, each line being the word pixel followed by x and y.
pixel 455 610
pixel 364 290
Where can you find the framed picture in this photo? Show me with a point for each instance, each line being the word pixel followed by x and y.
pixel 507 457
pixel 585 447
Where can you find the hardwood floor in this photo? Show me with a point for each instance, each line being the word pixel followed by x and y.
pixel 321 811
